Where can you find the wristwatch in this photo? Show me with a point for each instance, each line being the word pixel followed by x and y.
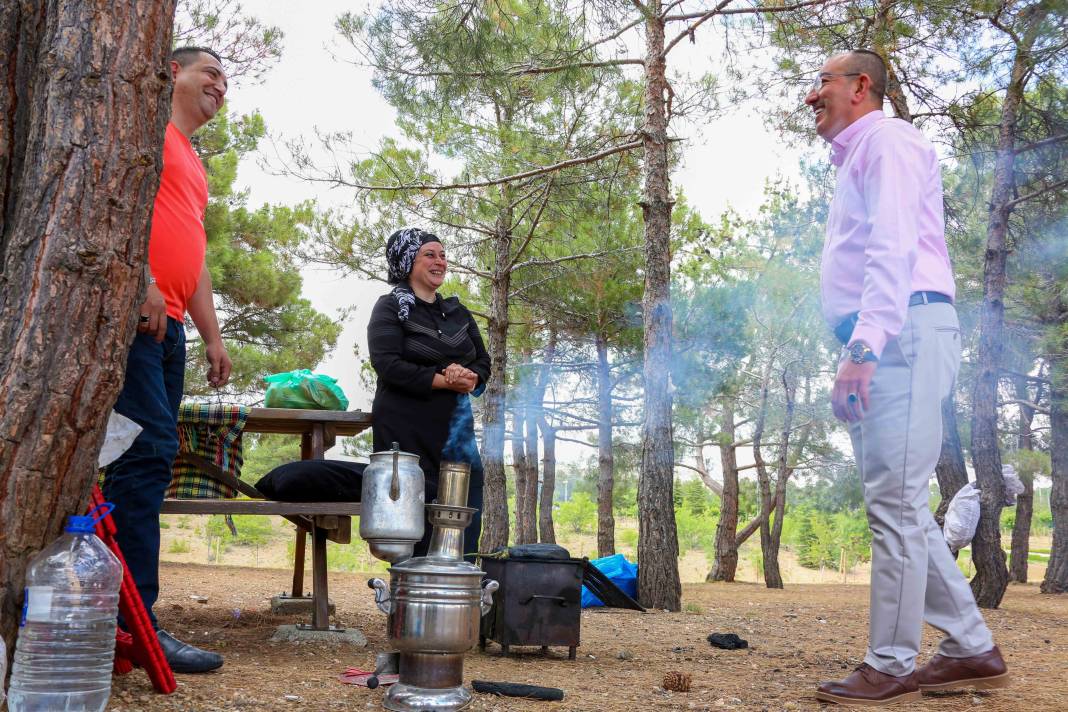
pixel 860 352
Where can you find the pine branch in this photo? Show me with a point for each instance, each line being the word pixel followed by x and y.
pixel 571 162
pixel 1031 196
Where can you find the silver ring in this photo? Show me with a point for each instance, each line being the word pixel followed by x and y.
pixel 144 318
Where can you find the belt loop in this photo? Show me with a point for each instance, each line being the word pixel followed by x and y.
pixel 923 296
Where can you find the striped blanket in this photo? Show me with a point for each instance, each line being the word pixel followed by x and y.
pixel 212 431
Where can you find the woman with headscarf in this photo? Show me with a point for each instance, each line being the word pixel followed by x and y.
pixel 429 356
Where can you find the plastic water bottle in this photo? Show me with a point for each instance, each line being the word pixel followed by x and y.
pixel 66 642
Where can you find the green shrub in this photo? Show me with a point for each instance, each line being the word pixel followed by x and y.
pixel 579 515
pixel 252 530
pixel 819 538
pixel 627 538
pixel 695 531
pixel 179 546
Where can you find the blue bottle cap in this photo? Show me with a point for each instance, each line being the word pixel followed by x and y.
pixel 87 524
pixel 79 525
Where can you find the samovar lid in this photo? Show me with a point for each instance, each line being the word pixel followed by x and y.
pixel 430 565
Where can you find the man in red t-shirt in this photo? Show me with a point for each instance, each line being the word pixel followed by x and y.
pixel 178 282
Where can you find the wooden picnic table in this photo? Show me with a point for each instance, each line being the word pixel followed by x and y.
pixel 318 430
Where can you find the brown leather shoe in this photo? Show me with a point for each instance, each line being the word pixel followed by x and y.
pixel 867 687
pixel 984 671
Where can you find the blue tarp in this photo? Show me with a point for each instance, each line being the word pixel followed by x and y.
pixel 620 571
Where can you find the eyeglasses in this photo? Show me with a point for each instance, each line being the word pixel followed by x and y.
pixel 822 77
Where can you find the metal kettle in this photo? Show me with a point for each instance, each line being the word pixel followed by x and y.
pixel 392 514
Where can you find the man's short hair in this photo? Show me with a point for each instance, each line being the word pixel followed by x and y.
pixel 870 63
pixel 184 56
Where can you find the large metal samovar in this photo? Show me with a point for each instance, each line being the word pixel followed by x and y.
pixel 435 604
pixel 392 496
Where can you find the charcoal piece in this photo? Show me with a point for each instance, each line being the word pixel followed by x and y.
pixel 514 689
pixel 727 641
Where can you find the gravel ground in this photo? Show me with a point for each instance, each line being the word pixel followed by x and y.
pixel 797 637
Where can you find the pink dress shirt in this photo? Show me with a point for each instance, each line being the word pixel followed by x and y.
pixel 885 230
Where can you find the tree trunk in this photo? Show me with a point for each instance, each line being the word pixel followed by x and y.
pixel 547 533
pixel 763 480
pixel 83 107
pixel 770 543
pixel 606 522
pixel 495 497
pixel 950 470
pixel 991 574
pixel 1056 579
pixel 725 563
pixel 525 505
pixel 885 44
pixel 772 573
pixel 525 453
pixel 658 545
pixel 1021 528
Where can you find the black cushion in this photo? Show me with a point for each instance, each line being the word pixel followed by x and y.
pixel 314 481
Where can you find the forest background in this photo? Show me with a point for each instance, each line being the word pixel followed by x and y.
pixel 518 88
pixel 670 348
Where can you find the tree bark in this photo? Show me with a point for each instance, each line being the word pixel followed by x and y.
pixel 658 546
pixel 546 531
pixel 725 563
pixel 1021 528
pixel 525 453
pixel 495 497
pixel 606 522
pixel 991 574
pixel 885 44
pixel 950 470
pixel 767 500
pixel 1056 579
pixel 83 107
pixel 771 531
pixel 525 506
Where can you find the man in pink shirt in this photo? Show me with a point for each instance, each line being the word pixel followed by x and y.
pixel 887 289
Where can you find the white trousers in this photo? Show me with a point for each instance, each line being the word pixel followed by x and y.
pixel 914 578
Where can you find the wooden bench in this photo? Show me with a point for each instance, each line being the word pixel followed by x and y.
pixel 325 521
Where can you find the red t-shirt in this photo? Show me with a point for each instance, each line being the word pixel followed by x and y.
pixel 177 244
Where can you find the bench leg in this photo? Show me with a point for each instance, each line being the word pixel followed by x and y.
pixel 298 564
pixel 320 595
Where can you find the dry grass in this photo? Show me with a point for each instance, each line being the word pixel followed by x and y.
pixel 797 637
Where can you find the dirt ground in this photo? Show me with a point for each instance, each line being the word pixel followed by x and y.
pixel 797 637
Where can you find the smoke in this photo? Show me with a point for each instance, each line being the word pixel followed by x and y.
pixel 460 446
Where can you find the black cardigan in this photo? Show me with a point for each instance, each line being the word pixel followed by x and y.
pixel 406 355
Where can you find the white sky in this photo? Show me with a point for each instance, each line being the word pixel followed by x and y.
pixel 727 160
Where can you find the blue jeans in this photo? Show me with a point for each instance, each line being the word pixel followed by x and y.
pixel 138 480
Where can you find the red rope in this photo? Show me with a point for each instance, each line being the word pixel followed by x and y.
pixel 140 646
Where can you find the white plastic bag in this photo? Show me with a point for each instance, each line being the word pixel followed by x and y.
pixel 962 517
pixel 119 437
pixel 3 669
pixel 1014 487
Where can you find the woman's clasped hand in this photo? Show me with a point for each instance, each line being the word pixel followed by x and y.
pixel 460 379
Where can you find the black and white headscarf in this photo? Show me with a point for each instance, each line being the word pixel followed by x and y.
pixel 401 249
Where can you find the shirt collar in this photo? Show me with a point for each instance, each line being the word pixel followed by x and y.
pixel 840 143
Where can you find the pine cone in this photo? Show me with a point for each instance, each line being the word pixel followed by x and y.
pixel 677 681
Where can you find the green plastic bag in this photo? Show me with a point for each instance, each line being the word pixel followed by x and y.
pixel 304 389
